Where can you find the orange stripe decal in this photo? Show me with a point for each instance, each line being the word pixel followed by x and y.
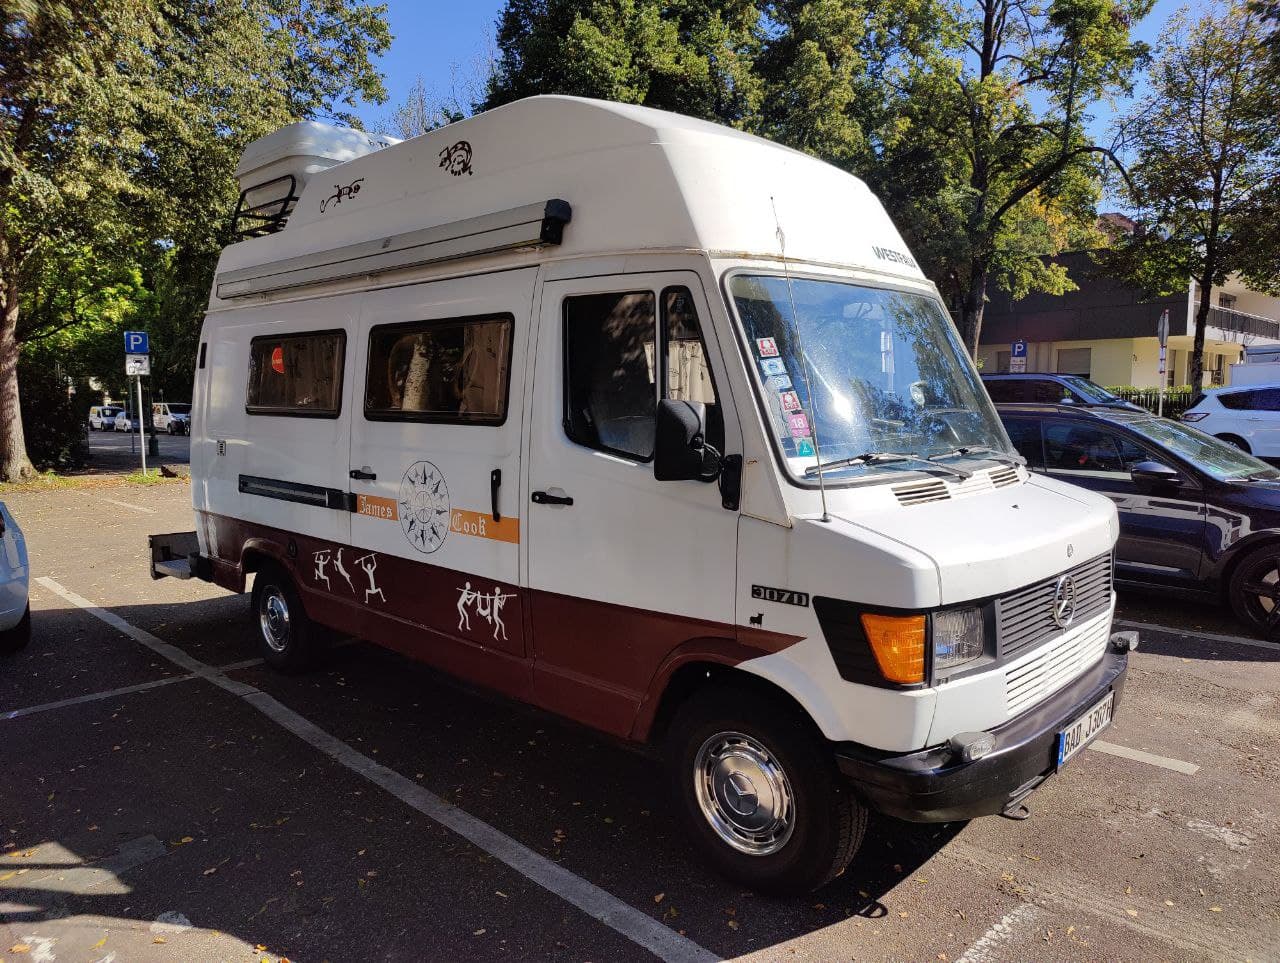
pixel 482 525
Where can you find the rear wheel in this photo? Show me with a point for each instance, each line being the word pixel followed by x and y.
pixel 1235 441
pixel 759 792
pixel 11 640
pixel 1255 590
pixel 286 637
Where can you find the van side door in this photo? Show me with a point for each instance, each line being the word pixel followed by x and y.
pixel 435 472
pixel 623 568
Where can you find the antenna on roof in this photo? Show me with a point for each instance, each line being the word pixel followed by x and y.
pixel 804 359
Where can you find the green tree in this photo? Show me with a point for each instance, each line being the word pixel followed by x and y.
pixel 689 56
pixel 985 160
pixel 120 126
pixel 1205 148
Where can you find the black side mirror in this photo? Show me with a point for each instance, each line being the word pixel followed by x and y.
pixel 1152 474
pixel 680 449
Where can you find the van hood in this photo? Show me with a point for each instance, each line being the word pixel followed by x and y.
pixel 995 541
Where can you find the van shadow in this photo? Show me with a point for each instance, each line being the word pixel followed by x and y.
pixel 564 792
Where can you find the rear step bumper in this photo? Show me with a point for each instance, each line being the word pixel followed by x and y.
pixel 177 555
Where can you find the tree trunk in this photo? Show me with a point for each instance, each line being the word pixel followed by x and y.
pixel 1196 372
pixel 975 302
pixel 14 463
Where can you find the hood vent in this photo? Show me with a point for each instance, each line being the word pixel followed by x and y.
pixel 938 490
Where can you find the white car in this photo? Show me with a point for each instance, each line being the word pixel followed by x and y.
pixel 103 417
pixel 171 417
pixel 124 422
pixel 1247 417
pixel 15 610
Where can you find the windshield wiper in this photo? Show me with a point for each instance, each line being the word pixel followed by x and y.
pixel 885 457
pixel 985 451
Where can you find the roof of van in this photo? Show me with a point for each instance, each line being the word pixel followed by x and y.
pixel 636 179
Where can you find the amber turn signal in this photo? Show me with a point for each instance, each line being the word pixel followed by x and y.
pixel 897 641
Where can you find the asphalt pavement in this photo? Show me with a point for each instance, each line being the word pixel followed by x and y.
pixel 164 796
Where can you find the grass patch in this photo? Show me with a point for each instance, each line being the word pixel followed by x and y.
pixel 49 481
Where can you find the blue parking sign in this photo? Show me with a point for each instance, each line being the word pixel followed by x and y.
pixel 1018 349
pixel 136 342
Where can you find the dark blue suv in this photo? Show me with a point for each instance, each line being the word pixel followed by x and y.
pixel 1197 516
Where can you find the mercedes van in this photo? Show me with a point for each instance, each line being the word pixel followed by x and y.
pixel 658 426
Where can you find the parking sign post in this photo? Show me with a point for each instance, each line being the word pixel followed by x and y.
pixel 1162 332
pixel 137 362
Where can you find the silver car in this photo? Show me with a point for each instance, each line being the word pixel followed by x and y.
pixel 15 608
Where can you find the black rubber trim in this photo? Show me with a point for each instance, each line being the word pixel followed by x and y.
pixel 935 785
pixel 287 491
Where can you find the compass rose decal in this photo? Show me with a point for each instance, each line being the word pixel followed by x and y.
pixel 424 506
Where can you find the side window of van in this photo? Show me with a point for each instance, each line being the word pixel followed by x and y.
pixel 455 370
pixel 610 394
pixel 686 372
pixel 296 374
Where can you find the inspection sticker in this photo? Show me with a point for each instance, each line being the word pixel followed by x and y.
pixel 772 366
pixel 767 347
pixel 798 422
pixel 778 383
pixel 790 401
pixel 804 448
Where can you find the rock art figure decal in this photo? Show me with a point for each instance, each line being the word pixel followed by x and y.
pixel 487 605
pixel 370 564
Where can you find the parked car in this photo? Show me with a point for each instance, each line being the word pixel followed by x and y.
pixel 103 417
pixel 1052 389
pixel 1247 417
pixel 15 607
pixel 171 417
pixel 125 422
pixel 1197 516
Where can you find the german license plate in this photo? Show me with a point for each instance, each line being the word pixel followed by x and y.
pixel 1084 728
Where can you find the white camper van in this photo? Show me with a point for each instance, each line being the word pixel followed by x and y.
pixel 658 426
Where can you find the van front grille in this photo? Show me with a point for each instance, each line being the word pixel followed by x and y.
pixel 1054 666
pixel 1025 617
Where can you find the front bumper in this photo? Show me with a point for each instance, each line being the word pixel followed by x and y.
pixel 936 785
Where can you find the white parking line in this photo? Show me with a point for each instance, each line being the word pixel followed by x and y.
pixel 1150 758
pixel 136 508
pixel 637 926
pixel 1005 931
pixel 1209 636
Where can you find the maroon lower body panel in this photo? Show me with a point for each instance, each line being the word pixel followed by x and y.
pixel 598 663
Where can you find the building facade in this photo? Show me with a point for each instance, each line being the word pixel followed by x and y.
pixel 1107 331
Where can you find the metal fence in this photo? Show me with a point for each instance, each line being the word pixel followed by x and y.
pixel 1176 400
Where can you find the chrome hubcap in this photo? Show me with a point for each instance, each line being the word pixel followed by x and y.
pixel 274 619
pixel 744 793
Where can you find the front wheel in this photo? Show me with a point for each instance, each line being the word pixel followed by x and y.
pixel 286 637
pixel 1255 590
pixel 759 792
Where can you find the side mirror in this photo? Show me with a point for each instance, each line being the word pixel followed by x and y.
pixel 1152 474
pixel 680 449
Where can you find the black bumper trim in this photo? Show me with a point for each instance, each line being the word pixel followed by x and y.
pixel 936 785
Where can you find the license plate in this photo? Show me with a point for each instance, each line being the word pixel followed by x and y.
pixel 1084 728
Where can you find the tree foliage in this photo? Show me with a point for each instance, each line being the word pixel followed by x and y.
pixel 1205 168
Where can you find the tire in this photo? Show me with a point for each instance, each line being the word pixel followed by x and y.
pixel 287 638
pixel 1236 441
pixel 1254 591
pixel 11 640
pixel 172 429
pixel 736 739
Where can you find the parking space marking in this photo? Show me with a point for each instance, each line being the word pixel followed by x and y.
pixel 136 508
pixel 1150 758
pixel 1203 636
pixel 637 926
pixel 1005 931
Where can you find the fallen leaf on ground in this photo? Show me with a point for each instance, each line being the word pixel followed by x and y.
pixel 480 932
pixel 158 939
pixel 659 897
pixel 20 948
pixel 1215 909
pixel 1132 912
pixel 211 870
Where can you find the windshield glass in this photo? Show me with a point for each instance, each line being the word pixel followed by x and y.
pixel 1213 457
pixel 1091 391
pixel 886 373
pixel 179 409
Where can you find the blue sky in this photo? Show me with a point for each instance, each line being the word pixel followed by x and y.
pixel 441 41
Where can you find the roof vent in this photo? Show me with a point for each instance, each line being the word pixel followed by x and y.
pixel 274 169
pixel 917 493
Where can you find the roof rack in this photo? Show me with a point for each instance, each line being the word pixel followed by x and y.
pixel 264 217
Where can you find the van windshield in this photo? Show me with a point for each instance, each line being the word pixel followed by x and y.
pixel 179 409
pixel 886 373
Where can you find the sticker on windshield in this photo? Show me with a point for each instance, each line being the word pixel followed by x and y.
pixel 778 383
pixel 804 448
pixel 798 422
pixel 790 401
pixel 772 366
pixel 768 347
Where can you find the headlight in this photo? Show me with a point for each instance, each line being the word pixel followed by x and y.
pixel 957 637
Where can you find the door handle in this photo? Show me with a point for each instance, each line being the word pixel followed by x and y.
pixel 362 475
pixel 542 498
